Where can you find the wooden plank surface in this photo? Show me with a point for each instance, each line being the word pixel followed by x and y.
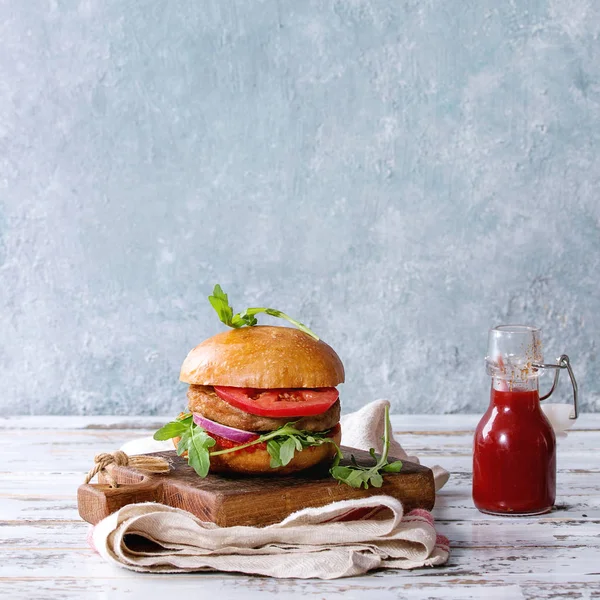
pixel 43 550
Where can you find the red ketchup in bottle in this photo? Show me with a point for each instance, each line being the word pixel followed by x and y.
pixel 514 456
pixel 514 451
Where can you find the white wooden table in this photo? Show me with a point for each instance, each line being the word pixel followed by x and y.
pixel 44 553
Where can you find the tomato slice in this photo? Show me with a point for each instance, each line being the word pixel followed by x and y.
pixel 279 402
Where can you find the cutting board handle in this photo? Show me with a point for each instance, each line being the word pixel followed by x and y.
pixel 97 501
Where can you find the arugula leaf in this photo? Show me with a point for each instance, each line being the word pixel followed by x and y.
pixel 220 303
pixel 198 456
pixel 376 480
pixel 244 319
pixel 287 450
pixel 171 430
pixel 282 449
pixel 357 476
pixel 393 467
pixel 182 446
pixel 247 318
pixel 274 449
pixel 194 440
pixel 354 478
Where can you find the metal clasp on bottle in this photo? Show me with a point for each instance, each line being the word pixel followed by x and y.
pixel 561 363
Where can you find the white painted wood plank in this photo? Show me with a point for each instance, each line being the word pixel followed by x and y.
pixel 521 533
pixel 492 563
pixel 454 506
pixel 450 440
pixel 461 443
pixel 239 587
pixel 399 422
pixel 90 422
pixel 444 423
pixel 462 464
pixel 39 509
pixel 80 459
pixel 74 449
pixel 64 483
pixel 386 586
pixel 44 534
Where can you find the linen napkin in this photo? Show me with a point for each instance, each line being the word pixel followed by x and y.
pixel 338 540
pixel 362 429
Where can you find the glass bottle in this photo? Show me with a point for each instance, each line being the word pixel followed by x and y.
pixel 514 452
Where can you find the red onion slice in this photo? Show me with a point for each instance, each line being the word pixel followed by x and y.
pixel 229 433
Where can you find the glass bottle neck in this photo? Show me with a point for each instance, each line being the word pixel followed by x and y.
pixel 523 385
pixel 522 397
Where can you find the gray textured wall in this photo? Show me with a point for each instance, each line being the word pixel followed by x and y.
pixel 399 174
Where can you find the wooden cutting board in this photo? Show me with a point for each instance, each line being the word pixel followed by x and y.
pixel 228 500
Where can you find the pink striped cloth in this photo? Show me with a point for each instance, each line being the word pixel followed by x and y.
pixel 341 539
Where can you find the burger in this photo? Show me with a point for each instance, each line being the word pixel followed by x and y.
pixel 262 400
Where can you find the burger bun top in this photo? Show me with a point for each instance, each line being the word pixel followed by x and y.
pixel 263 357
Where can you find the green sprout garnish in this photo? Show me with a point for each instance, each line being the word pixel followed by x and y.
pixel 247 318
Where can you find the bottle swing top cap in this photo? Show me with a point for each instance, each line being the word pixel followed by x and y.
pixel 515 356
pixel 514 352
